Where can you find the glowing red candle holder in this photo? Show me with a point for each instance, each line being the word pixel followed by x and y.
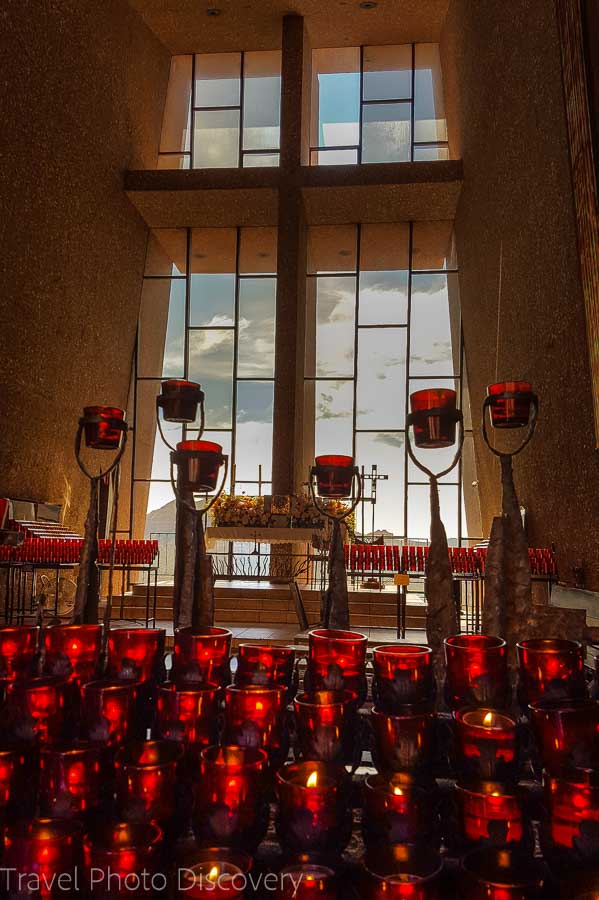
pixel 42 702
pixel 492 873
pixel 17 649
pixel 337 660
pixel 485 744
pixel 136 654
pixel 188 716
pixel 402 674
pixel 398 811
pixel 402 872
pixel 9 761
pixel 314 813
pixel 403 742
pixel 231 806
pixel 103 427
pixel 217 873
pixel 198 464
pixel 476 671
pixel 146 780
pixel 45 853
pixel 566 733
pixel 510 404
pixel 326 725
pixel 255 717
pixel 334 475
pixel 434 416
pixel 490 812
pixel 265 664
pixel 107 710
pixel 202 658
pixel 306 881
pixel 73 651
pixel 179 400
pixel 552 668
pixel 69 781
pixel 117 855
pixel 573 804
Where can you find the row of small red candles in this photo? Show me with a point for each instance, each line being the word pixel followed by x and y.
pixel 68 550
pixel 395 558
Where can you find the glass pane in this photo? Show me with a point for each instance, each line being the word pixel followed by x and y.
pixel 435 460
pixel 335 111
pixel 431 346
pixel 211 363
pixel 256 342
pixel 212 283
pixel 261 100
pixel 330 405
pixel 388 73
pixel 386 132
pixel 253 438
pixel 381 378
pixel 433 246
pixel 386 451
pixel 258 251
pixel 216 139
pixel 419 516
pixel 160 497
pixel 167 252
pixel 334 157
pixel 332 248
pixel 430 152
pixel 429 109
pixel 161 328
pixel 173 161
pixel 217 79
pixel 148 443
pixel 176 122
pixel 260 160
pixel 384 274
pixel 335 326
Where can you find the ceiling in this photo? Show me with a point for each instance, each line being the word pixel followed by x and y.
pixel 185 26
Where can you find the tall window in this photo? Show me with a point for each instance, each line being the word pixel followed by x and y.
pixel 377 105
pixel 208 315
pixel 383 321
pixel 222 111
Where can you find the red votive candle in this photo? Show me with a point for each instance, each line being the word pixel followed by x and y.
pixel 198 464
pixel 334 475
pixel 492 873
pixel 117 855
pixel 45 853
pixel 573 803
pixel 566 733
pixel 397 811
pixel 306 882
pixel 551 668
pixel 17 649
pixel 188 716
pixel 489 811
pixel 73 651
pixel 179 400
pixel 476 671
pixel 337 660
pixel 434 417
pixel 9 760
pixel 107 710
pixel 42 702
pixel 403 742
pixel 136 654
pixel 326 725
pixel 231 806
pixel 510 403
pixel 104 434
pixel 202 658
pixel 314 811
pixel 254 716
pixel 217 873
pixel 485 744
pixel 69 781
pixel 265 664
pixel 402 872
pixel 146 780
pixel 402 674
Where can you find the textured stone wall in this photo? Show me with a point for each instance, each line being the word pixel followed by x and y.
pixel 507 121
pixel 81 93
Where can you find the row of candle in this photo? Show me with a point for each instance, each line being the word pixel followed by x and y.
pixel 412 558
pixel 68 550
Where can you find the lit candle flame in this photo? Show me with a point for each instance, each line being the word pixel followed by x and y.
pixel 213 873
pixel 398 791
pixel 259 705
pixel 312 780
pixel 488 720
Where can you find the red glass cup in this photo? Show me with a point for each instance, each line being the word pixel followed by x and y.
pixel 104 434
pixel 198 464
pixel 566 733
pixel 326 725
pixel 265 664
pixel 179 400
pixel 434 417
pixel 403 742
pixel 70 781
pixel 402 675
pixel 45 854
pixel 306 881
pixel 255 717
pixel 231 806
pixel 314 813
pixel 216 873
pixel 202 658
pixel 17 649
pixel 136 654
pixel 493 873
pixel 551 668
pixel 146 780
pixel 489 811
pixel 188 716
pixel 476 673
pixel 73 651
pixel 337 661
pixel 334 475
pixel 9 763
pixel 573 804
pixel 107 711
pixel 39 705
pixel 510 404
pixel 402 872
pixel 118 854
pixel 485 745
pixel 398 811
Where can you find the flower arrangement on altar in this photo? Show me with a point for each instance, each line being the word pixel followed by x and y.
pixel 253 512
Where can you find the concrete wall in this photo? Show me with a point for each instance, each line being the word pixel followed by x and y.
pixel 81 94
pixel 506 117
